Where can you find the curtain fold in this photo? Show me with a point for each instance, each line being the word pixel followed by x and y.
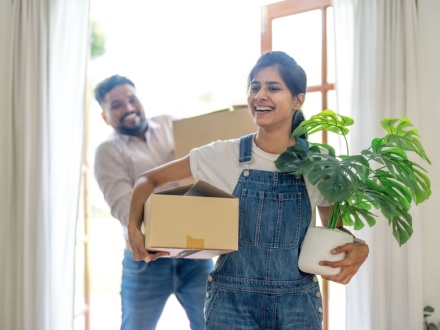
pixel 429 86
pixel 42 81
pixel 378 39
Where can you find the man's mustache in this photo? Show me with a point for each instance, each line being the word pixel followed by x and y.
pixel 125 115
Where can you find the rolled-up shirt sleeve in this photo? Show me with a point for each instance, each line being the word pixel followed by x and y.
pixel 113 177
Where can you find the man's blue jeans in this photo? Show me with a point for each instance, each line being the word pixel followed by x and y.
pixel 146 287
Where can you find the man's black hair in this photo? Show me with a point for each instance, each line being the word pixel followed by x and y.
pixel 108 84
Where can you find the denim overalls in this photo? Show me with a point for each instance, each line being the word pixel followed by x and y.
pixel 260 286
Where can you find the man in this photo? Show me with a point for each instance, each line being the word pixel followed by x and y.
pixel 137 145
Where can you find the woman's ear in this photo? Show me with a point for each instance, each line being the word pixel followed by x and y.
pixel 299 100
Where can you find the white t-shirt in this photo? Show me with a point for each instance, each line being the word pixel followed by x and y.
pixel 217 164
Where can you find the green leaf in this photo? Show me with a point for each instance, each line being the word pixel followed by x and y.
pixel 422 184
pixel 326 120
pixel 294 160
pixel 322 149
pixel 353 215
pixel 403 135
pixel 400 192
pixel 381 177
pixel 402 227
pixel 428 309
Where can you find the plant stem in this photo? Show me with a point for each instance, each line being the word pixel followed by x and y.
pixel 346 143
pixel 334 215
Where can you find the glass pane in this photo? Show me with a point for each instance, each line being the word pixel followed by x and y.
pixel 330 47
pixel 332 101
pixel 299 35
pixel 335 140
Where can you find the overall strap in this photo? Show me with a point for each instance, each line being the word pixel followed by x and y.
pixel 245 155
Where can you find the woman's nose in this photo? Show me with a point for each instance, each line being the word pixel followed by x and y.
pixel 260 95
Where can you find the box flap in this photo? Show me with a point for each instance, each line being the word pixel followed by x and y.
pixel 198 189
pixel 176 191
pixel 204 189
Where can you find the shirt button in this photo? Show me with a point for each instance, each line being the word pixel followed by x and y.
pixel 246 173
pixel 209 278
pixel 207 295
pixel 315 279
pixel 320 310
pixel 318 294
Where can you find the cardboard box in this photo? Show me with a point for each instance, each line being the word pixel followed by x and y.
pixel 197 221
pixel 223 124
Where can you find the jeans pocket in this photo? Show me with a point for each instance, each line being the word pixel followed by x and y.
pixel 131 266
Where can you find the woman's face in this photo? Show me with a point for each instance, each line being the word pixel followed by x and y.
pixel 270 101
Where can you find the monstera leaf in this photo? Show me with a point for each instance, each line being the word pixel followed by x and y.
pixel 381 177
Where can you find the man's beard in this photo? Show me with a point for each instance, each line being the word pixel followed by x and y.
pixel 134 131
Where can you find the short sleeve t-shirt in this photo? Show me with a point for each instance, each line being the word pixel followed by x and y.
pixel 217 164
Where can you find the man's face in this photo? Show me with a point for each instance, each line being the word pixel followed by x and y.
pixel 123 111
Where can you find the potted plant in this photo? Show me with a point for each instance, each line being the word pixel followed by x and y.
pixel 381 177
pixel 427 312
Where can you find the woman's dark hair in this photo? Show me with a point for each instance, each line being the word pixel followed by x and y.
pixel 108 84
pixel 292 74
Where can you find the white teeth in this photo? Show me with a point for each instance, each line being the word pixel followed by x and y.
pixel 263 109
pixel 130 116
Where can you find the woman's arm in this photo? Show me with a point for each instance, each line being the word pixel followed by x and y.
pixel 145 185
pixel 355 253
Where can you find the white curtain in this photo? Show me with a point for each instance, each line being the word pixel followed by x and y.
pixel 429 86
pixel 43 48
pixel 377 76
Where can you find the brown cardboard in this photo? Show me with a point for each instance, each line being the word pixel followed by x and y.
pixel 223 124
pixel 197 221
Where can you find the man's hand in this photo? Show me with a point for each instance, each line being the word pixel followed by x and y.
pixel 355 255
pixel 137 243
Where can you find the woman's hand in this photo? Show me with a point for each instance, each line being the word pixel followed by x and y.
pixel 137 243
pixel 355 255
pixel 144 186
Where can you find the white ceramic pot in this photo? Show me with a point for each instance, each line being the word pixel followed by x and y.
pixel 316 247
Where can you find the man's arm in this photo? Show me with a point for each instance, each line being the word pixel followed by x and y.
pixel 112 176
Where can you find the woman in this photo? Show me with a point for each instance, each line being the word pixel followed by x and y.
pixel 259 286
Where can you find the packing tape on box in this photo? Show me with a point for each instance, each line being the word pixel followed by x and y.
pixel 195 243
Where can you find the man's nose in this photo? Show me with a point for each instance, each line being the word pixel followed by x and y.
pixel 130 107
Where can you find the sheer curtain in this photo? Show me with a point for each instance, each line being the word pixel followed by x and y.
pixel 377 76
pixel 44 46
